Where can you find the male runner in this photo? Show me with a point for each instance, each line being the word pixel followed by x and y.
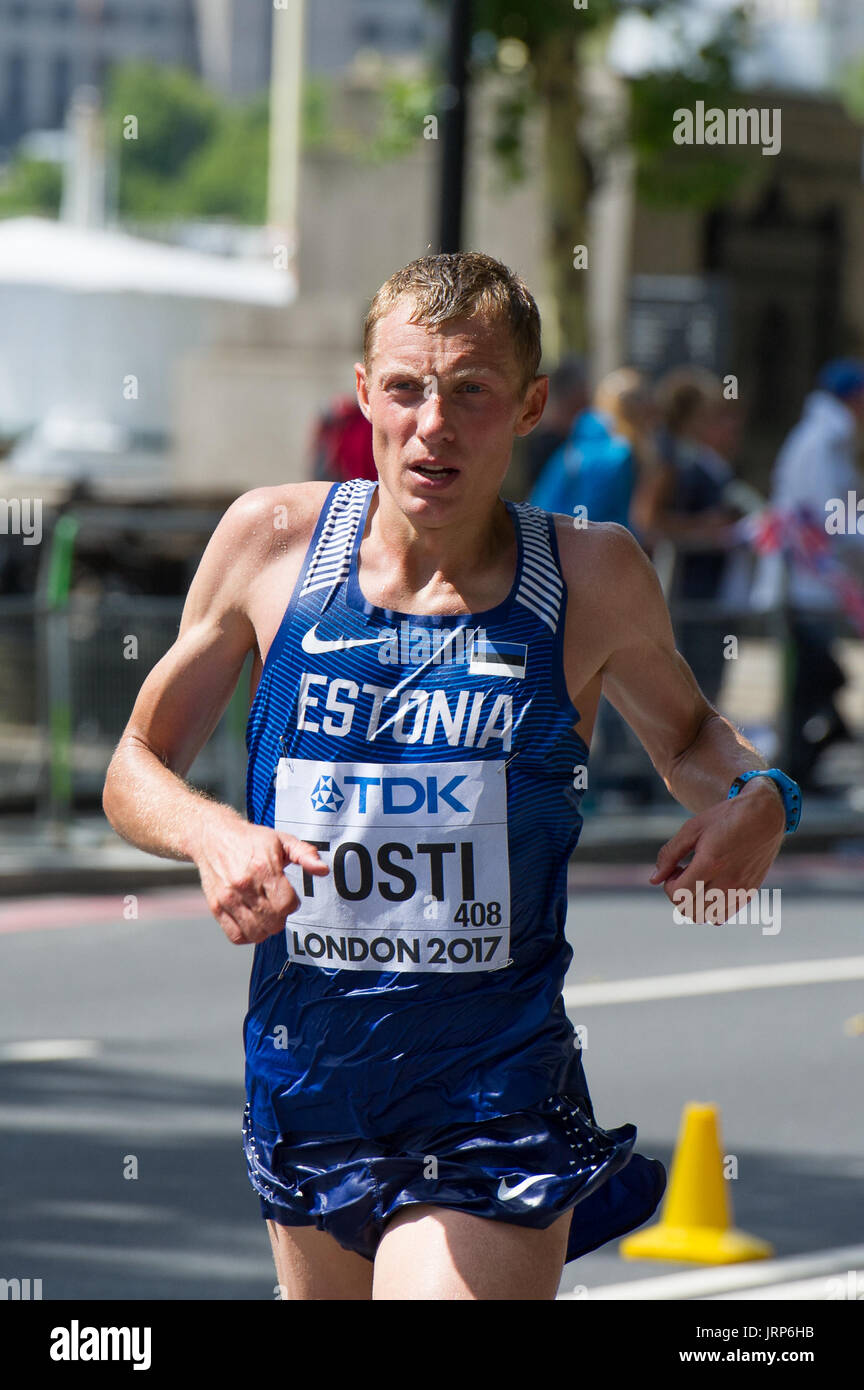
pixel 418 1123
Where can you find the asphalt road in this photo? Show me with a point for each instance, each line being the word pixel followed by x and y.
pixel 120 1040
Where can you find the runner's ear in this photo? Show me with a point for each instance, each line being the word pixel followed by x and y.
pixel 362 389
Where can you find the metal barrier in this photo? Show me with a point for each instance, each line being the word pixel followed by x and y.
pixel 68 681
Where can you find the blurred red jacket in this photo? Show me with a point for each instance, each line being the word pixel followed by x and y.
pixel 342 447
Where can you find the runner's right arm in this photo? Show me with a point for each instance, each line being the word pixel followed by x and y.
pixel 179 705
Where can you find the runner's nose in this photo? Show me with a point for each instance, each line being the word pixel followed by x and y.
pixel 433 423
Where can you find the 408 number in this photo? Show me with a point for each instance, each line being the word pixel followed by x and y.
pixel 478 914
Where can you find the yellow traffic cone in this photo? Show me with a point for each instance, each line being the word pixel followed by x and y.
pixel 696 1223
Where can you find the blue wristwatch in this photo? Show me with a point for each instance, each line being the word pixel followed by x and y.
pixel 789 790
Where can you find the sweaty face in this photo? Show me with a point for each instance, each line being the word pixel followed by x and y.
pixel 445 405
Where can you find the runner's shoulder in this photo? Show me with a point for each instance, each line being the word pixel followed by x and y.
pixel 266 521
pixel 603 553
pixel 257 530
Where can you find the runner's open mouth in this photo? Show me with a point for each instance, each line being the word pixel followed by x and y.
pixel 433 470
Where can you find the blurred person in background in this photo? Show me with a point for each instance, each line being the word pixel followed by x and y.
pixel 609 465
pixel 693 503
pixel 608 462
pixel 816 463
pixel 568 397
pixel 342 444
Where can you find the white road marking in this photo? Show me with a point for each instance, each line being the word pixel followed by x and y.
pixel 725 1280
pixel 730 980
pixel 50 1050
pixel 828 1288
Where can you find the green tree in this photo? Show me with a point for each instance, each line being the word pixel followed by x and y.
pixel 195 154
pixel 403 103
pixel 178 149
pixel 157 119
pixel 31 186
pixel 559 39
pixel 674 175
pixel 850 89
pixel 227 177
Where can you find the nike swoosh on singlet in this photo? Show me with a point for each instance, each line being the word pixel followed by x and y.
pixel 506 1194
pixel 312 644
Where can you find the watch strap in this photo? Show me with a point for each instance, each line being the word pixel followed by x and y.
pixel 789 790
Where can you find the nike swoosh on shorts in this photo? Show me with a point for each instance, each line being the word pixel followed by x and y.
pixel 506 1194
pixel 312 644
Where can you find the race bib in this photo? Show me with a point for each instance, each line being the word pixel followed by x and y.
pixel 419 872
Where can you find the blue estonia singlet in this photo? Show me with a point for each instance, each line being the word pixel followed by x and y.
pixel 433 760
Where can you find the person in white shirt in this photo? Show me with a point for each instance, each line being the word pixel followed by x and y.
pixel 817 464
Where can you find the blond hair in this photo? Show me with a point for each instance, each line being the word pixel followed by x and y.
pixel 684 392
pixel 621 395
pixel 462 284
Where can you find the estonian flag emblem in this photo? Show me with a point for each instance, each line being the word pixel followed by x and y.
pixel 498 658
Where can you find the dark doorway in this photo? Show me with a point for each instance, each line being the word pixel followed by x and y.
pixel 783 275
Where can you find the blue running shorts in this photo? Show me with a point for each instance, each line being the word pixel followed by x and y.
pixel 526 1168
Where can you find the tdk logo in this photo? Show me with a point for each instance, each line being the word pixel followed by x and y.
pixel 394 796
pixel 326 795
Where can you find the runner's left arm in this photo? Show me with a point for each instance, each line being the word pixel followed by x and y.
pixel 697 752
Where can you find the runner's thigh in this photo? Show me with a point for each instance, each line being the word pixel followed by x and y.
pixel 430 1252
pixel 312 1265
